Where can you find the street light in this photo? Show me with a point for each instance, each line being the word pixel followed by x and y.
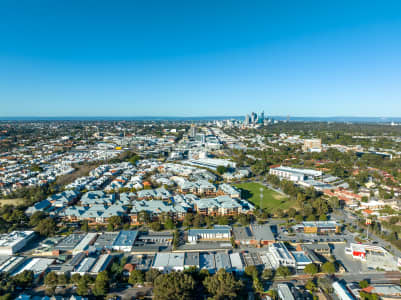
pixel 261 197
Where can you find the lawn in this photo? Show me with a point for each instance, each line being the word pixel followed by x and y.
pixel 11 201
pixel 271 199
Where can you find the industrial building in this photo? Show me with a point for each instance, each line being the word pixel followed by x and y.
pixel 216 233
pixel 294 174
pixel 318 227
pixel 11 243
pixel 125 240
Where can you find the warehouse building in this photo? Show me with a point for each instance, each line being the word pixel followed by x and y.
pixel 318 227
pixel 216 233
pixel 125 240
pixel 11 243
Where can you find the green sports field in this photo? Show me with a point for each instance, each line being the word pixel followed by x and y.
pixel 271 199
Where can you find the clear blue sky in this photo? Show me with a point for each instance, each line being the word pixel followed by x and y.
pixel 200 58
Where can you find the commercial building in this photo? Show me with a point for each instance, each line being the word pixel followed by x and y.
pixel 11 243
pixel 318 227
pixel 361 251
pixel 88 240
pixel 166 262
pixel 284 292
pixel 294 174
pixel 37 265
pixel 281 256
pixel 217 233
pixel 255 234
pixel 312 145
pixel 301 259
pixel 342 292
pixel 125 240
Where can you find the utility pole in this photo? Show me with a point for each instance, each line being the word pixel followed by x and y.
pixel 261 198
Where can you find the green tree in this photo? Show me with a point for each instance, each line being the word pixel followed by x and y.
pixel 311 269
pixel 62 279
pixel 101 285
pixel 114 223
pixel 136 277
pixel 169 224
pixel 46 227
pixel 291 212
pixel 363 284
pixel 223 285
pixel 251 271
pixel 310 285
pixel 156 226
pixel 51 279
pixel 175 285
pixel 85 226
pixel 75 278
pixel 36 217
pixel 283 271
pixel 329 268
pixel 83 287
pixel 151 275
pixel 267 274
pixel 221 170
pixel 24 279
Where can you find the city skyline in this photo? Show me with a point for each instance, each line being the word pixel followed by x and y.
pixel 211 59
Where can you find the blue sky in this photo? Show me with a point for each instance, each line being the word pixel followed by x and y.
pixel 200 58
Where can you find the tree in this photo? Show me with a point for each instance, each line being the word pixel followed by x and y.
pixel 251 271
pixel 36 217
pixel 273 294
pixel 83 287
pixel 156 226
pixel 85 226
pixel 46 227
pixel 323 217
pixel 24 279
pixel 363 284
pixel 299 218
pixel 291 212
pixel 283 271
pixel 169 224
pixel 311 269
pixel 51 279
pixel 101 284
pixel 310 285
pixel 267 274
pixel 311 218
pixel 75 278
pixel 223 285
pixel 62 279
pixel 175 285
pixel 328 268
pixel 114 223
pixel 221 169
pixel 151 275
pixel 136 277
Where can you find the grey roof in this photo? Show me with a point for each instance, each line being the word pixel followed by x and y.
pixel 106 240
pixel 76 260
pixel 126 238
pixel 242 233
pixel 262 232
pixel 222 261
pixel 69 242
pixel 209 231
pixel 86 265
pixel 206 261
pixel 191 259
